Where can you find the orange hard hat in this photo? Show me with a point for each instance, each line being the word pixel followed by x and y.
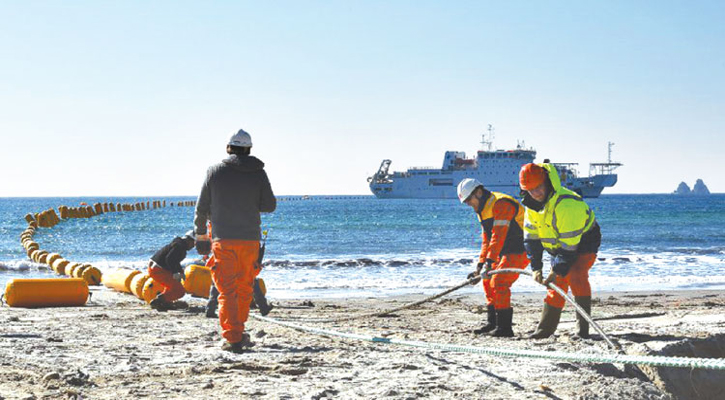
pixel 531 176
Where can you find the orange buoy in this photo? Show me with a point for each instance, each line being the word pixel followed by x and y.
pixel 197 281
pixel 120 279
pixel 151 289
pixel 54 292
pixel 137 284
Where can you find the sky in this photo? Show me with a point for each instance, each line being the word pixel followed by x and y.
pixel 138 98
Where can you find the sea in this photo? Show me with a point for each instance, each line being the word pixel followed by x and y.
pixel 361 246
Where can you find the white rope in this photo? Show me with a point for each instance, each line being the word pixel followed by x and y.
pixel 656 361
pixel 568 298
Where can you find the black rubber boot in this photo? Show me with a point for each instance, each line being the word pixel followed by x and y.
pixel 261 301
pixel 491 323
pixel 238 347
pixel 503 323
pixel 582 324
pixel 160 304
pixel 550 317
pixel 213 302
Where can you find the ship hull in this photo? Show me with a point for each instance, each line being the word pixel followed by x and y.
pixel 435 185
pixel 497 170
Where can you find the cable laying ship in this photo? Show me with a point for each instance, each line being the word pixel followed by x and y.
pixel 497 169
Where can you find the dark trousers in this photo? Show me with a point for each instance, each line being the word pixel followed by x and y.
pixel 213 302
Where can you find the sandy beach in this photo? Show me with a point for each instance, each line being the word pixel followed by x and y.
pixel 118 348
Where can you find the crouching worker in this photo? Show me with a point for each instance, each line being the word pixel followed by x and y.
pixel 501 217
pixel 165 268
pixel 560 222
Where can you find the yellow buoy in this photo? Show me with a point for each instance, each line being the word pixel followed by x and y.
pixel 52 257
pixel 78 272
pixel 137 285
pixel 70 269
pixel 91 275
pixel 151 289
pixel 41 256
pixel 55 292
pixel 198 280
pixel 59 266
pixel 120 279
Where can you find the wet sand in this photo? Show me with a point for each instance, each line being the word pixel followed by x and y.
pixel 118 348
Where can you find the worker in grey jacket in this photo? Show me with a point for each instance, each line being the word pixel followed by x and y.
pixel 233 195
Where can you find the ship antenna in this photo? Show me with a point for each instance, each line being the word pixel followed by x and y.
pixel 487 143
pixel 609 152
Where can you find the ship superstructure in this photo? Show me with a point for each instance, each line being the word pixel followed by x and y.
pixel 497 169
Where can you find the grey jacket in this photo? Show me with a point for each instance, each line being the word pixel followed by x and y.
pixel 234 193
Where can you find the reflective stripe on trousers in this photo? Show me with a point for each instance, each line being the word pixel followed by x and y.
pixel 233 274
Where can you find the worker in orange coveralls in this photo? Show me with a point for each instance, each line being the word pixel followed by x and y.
pixel 165 268
pixel 234 193
pixel 501 217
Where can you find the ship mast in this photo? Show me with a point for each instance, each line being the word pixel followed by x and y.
pixel 486 145
pixel 606 168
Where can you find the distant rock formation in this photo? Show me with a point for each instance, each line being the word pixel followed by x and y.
pixel 700 188
pixel 683 189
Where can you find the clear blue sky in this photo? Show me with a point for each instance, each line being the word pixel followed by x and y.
pixel 139 97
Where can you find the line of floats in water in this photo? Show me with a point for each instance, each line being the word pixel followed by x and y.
pixel 73 291
pixel 59 292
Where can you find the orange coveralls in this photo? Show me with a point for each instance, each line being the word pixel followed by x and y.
pixel 577 279
pixel 496 217
pixel 233 274
pixel 173 289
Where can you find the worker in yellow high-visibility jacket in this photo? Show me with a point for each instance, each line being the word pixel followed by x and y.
pixel 559 221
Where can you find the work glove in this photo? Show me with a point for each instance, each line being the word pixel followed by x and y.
pixel 538 276
pixel 203 246
pixel 475 273
pixel 550 278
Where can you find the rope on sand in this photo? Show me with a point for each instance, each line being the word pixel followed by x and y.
pixel 654 361
pixel 568 298
pixel 386 312
pixel 459 286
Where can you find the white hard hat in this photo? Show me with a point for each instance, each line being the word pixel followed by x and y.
pixel 466 187
pixel 241 139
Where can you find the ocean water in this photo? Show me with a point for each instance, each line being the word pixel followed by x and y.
pixel 347 246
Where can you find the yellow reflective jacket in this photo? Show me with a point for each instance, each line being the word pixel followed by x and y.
pixel 563 220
